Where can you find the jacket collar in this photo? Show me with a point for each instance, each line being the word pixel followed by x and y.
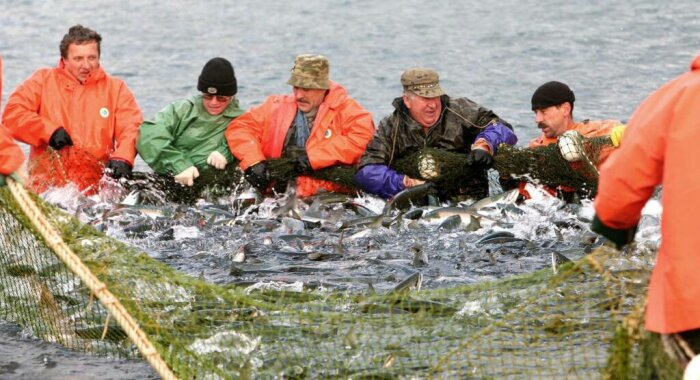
pixel 95 76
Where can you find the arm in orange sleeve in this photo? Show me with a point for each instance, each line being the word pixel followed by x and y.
pixel 245 133
pixel 352 130
pixel 128 119
pixel 628 178
pixel 11 155
pixel 21 115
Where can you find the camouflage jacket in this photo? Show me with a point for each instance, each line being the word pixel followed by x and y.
pixel 398 134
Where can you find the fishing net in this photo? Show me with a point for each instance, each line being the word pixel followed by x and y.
pixel 57 168
pixel 582 321
pixel 211 184
pixel 454 174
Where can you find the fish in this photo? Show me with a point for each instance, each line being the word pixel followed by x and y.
pixel 412 282
pixel 507 197
pixel 498 237
pixel 150 211
pixel 338 248
pixel 216 210
pixel 474 224
pixel 359 209
pixel 420 258
pixel 557 260
pixel 239 255
pixel 405 198
pixel 366 221
pixel 133 198
pixel 450 223
pixel 414 214
pixel 446 212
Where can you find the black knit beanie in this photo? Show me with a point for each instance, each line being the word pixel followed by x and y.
pixel 552 94
pixel 218 78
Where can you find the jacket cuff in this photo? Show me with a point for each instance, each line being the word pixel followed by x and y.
pixel 122 160
pixel 620 237
pixel 483 144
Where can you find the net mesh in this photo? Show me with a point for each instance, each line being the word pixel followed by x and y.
pixel 583 321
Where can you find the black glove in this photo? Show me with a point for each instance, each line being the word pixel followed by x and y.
pixel 620 237
pixel 117 168
pixel 258 175
pixel 302 164
pixel 60 138
pixel 481 158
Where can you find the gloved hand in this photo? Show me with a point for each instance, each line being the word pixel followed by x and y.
pixel 258 175
pixel 302 164
pixel 60 139
pixel 481 158
pixel 620 237
pixel 118 168
pixel 217 160
pixel 616 134
pixel 187 176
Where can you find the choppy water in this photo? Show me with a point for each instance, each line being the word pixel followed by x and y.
pixel 611 53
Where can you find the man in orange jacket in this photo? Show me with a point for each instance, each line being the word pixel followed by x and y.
pixel 553 105
pixel 76 118
pixel 11 156
pixel 319 124
pixel 657 150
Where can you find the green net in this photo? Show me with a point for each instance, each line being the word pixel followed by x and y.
pixel 584 321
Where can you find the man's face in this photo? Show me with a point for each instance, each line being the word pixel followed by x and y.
pixel 426 111
pixel 215 104
pixel 82 60
pixel 308 99
pixel 553 120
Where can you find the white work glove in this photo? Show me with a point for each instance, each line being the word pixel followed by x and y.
pixel 217 160
pixel 692 370
pixel 187 176
pixel 570 145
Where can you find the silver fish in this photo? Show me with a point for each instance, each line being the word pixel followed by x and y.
pixel 412 282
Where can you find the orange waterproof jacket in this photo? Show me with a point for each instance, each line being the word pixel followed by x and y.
pixel 100 115
pixel 587 128
pixel 659 148
pixel 341 131
pixel 11 156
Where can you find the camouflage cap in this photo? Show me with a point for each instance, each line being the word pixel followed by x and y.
pixel 310 71
pixel 422 82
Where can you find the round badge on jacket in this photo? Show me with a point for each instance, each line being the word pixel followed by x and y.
pixel 104 112
pixel 327 134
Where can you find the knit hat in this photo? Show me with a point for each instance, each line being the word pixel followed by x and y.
pixel 310 71
pixel 552 94
pixel 218 78
pixel 422 82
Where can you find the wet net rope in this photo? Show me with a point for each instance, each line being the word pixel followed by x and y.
pixel 583 321
pixel 98 289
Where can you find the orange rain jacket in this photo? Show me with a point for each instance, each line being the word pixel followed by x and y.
pixel 587 128
pixel 341 131
pixel 11 156
pixel 100 115
pixel 659 148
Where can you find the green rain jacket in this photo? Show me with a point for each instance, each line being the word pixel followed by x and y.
pixel 183 134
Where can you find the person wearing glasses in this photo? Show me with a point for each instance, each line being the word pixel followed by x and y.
pixel 188 135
